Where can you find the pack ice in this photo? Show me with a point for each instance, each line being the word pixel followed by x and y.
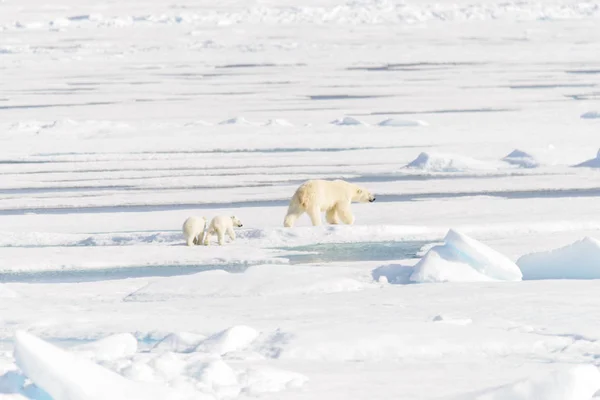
pixel 65 376
pixel 580 260
pixel 463 259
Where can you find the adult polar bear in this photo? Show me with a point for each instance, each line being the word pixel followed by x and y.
pixel 333 197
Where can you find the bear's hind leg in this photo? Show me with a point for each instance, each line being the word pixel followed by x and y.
pixel 332 217
pixel 190 241
pixel 345 213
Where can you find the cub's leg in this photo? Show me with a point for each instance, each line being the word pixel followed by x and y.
pixel 207 236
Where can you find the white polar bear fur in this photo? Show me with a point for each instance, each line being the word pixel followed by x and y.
pixel 333 197
pixel 193 230
pixel 220 225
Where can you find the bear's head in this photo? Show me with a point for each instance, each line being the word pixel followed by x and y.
pixel 362 196
pixel 236 221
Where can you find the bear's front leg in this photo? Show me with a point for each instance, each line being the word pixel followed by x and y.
pixel 221 237
pixel 207 237
pixel 293 213
pixel 345 213
pixel 332 217
pixel 315 215
pixel 231 234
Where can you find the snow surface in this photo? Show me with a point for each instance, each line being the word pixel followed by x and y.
pixel 118 120
pixel 6 292
pixel 464 259
pixel 575 383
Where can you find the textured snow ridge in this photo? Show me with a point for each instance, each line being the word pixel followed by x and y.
pixel 179 342
pixel 441 162
pixel 580 260
pixel 463 259
pixel 364 12
pixel 575 383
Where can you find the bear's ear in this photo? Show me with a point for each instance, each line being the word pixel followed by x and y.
pixel 359 191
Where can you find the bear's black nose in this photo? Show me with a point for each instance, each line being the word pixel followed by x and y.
pixel 372 200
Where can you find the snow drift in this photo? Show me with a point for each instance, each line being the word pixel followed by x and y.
pixel 463 259
pixel 347 121
pixel 592 163
pixel 591 115
pixel 521 159
pixel 393 122
pixel 575 383
pixel 278 122
pixel 232 339
pixel 179 342
pixel 109 348
pixel 580 260
pixel 443 162
pixel 238 121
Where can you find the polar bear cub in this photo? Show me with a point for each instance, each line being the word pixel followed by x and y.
pixel 333 197
pixel 193 230
pixel 220 225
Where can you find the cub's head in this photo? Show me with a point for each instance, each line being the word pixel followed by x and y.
pixel 362 196
pixel 236 221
